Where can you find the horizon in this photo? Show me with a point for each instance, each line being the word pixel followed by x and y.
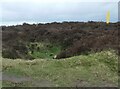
pixel 32 23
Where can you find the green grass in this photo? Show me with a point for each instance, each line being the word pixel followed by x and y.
pixel 96 69
pixel 46 50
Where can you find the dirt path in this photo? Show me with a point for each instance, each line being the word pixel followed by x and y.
pixel 22 79
pixel 14 79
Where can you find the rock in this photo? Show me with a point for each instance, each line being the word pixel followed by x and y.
pixel 55 57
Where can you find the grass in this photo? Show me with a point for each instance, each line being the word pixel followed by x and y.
pixel 43 50
pixel 96 69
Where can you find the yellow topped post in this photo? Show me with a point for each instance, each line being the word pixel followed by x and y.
pixel 108 17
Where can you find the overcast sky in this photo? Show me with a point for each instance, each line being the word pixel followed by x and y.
pixel 37 11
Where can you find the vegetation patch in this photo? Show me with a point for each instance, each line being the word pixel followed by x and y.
pixel 43 50
pixel 84 70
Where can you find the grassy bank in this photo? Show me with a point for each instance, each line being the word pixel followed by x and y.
pixel 96 69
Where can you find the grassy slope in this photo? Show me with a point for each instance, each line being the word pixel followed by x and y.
pixel 99 69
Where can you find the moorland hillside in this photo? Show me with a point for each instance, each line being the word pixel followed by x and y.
pixel 58 40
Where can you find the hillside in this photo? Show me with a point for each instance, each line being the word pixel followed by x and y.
pixel 59 40
pixel 68 54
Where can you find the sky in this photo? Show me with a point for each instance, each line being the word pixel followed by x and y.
pixel 44 11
